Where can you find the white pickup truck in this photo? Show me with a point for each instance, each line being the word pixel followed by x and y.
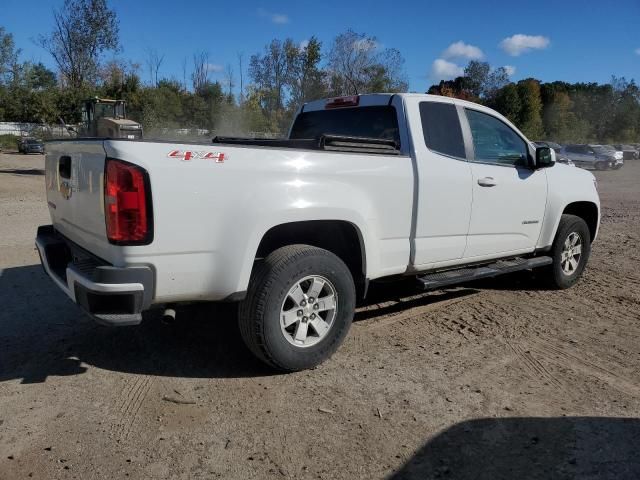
pixel 365 187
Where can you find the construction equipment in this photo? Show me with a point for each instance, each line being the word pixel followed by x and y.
pixel 103 117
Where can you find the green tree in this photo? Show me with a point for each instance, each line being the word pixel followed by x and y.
pixel 507 102
pixel 624 126
pixel 306 78
pixel 475 77
pixel 83 31
pixel 357 64
pixel 530 118
pixel 271 71
pixel 560 123
pixel 39 77
pixel 483 82
pixel 8 56
pixel 162 107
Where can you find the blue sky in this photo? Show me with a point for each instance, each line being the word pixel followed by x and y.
pixel 570 40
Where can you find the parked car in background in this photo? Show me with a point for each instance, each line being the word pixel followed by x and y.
pixel 618 155
pixel 592 156
pixel 560 157
pixel 629 152
pixel 30 145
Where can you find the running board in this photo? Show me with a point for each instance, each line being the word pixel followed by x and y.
pixel 451 277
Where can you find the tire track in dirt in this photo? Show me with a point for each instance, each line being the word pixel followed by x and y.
pixel 536 368
pixel 559 354
pixel 129 401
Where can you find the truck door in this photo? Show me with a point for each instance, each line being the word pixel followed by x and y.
pixel 442 202
pixel 509 198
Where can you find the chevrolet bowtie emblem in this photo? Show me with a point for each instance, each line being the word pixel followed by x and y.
pixel 66 190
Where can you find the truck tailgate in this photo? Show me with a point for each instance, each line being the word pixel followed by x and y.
pixel 75 192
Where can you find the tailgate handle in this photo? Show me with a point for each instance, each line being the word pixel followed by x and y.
pixel 64 167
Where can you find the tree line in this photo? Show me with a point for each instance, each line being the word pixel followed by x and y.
pixel 281 77
pixel 559 111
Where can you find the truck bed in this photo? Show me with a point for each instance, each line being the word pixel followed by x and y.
pixel 339 143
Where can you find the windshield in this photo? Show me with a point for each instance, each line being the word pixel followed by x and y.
pixel 601 149
pixel 103 110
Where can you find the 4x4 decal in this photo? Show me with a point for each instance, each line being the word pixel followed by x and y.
pixel 188 155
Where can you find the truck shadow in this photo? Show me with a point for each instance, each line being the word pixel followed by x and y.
pixel 42 333
pixel 562 448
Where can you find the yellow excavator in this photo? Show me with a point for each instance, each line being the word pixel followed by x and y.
pixel 103 117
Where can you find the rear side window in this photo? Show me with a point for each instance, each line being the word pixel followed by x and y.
pixel 379 122
pixel 441 128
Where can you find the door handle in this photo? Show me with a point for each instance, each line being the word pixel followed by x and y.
pixel 487 182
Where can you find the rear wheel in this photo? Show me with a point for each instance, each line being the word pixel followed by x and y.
pixel 570 252
pixel 299 307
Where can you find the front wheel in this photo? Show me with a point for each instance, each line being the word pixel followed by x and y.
pixel 570 251
pixel 299 307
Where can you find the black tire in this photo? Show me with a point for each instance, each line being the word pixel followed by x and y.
pixel 259 314
pixel 555 276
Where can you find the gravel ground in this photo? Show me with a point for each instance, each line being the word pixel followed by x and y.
pixel 497 379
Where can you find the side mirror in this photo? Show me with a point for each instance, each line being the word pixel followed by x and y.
pixel 545 157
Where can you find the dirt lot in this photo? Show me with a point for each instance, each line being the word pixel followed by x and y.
pixel 494 380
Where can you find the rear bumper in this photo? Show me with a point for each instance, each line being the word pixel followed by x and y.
pixel 111 295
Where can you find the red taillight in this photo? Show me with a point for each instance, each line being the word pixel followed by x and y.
pixel 338 102
pixel 125 203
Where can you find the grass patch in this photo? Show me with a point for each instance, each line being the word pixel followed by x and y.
pixel 9 142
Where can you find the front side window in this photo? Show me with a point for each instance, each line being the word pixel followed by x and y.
pixel 495 142
pixel 441 128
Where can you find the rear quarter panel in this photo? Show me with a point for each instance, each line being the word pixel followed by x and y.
pixel 209 217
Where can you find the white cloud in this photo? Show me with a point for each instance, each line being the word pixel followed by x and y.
pixel 637 50
pixel 303 44
pixel 214 67
pixel 519 43
pixel 510 69
pixel 443 70
pixel 277 18
pixel 463 50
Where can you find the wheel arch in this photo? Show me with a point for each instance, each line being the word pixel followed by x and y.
pixel 340 237
pixel 586 210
